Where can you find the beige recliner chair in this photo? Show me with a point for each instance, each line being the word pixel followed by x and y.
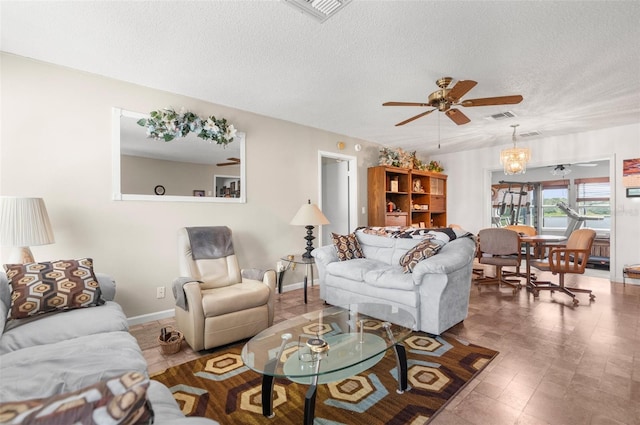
pixel 216 302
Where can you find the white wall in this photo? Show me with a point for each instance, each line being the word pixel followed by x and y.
pixel 469 182
pixel 56 143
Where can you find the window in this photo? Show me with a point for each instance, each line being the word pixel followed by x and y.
pixel 592 199
pixel 553 192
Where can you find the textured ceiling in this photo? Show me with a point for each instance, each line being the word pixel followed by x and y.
pixel 576 63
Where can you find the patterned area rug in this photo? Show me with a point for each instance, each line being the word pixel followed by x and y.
pixel 220 387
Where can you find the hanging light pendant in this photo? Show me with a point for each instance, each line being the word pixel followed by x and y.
pixel 515 159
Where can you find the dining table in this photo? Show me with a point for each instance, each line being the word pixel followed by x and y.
pixel 541 241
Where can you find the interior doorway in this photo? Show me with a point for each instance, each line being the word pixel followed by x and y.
pixel 338 193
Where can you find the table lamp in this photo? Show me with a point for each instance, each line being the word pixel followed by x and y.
pixel 309 215
pixel 23 223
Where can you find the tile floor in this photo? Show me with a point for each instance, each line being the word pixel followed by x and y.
pixel 558 364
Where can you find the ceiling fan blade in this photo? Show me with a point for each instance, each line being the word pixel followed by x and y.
pixel 405 104
pixel 234 159
pixel 222 164
pixel 486 101
pixel 460 89
pixel 414 118
pixel 457 116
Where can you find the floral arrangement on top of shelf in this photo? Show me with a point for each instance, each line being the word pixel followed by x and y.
pixel 403 159
pixel 167 124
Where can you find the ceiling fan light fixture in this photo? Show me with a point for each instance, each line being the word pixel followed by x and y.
pixel 515 159
pixel 560 170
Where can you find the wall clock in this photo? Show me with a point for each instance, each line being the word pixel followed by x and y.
pixel 159 190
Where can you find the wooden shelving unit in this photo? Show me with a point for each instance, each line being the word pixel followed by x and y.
pixel 419 197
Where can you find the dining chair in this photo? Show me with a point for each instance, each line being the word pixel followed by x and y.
pixel 571 258
pixel 522 230
pixel 499 247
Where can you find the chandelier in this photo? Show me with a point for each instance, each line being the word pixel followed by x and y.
pixel 515 159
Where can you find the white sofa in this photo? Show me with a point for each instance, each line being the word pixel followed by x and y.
pixel 436 292
pixel 57 353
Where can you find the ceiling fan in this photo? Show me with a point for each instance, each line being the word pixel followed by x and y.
pixel 446 98
pixel 234 161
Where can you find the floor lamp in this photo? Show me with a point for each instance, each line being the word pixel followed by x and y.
pixel 23 223
pixel 309 215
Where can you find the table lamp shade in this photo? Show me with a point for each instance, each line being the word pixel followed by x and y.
pixel 309 215
pixel 24 222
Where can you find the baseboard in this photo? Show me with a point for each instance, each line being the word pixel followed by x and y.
pixel 144 318
pixel 293 286
pixel 158 315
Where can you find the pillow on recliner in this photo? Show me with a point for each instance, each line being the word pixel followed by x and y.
pixel 347 246
pixel 422 250
pixel 49 286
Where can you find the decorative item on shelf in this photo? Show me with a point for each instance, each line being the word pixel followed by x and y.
pixel 167 124
pixel 394 185
pixel 396 158
pixel 402 159
pixel 417 185
pixel 435 167
pixel 515 159
pixel 24 222
pixel 391 207
pixel 309 215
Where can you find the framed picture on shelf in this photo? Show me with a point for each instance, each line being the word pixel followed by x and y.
pixel 198 193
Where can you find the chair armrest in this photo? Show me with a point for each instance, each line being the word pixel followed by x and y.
pixel 179 291
pixel 267 277
pixel 567 260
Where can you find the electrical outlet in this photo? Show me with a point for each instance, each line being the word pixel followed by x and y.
pixel 160 292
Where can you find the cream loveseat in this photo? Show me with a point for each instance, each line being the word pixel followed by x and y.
pixel 436 292
pixel 57 354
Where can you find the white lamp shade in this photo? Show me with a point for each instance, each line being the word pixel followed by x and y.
pixel 24 222
pixel 309 215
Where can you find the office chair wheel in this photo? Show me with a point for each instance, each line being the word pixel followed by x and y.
pixel 576 301
pixel 592 297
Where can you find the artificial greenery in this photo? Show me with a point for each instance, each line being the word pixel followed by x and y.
pixel 403 159
pixel 167 124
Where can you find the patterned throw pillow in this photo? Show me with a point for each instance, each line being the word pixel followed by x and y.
pixel 121 400
pixel 51 286
pixel 422 250
pixel 347 246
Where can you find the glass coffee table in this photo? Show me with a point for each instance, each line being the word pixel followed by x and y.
pixel 326 346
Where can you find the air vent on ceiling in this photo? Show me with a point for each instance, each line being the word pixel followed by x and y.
pixel 530 133
pixel 502 115
pixel 319 9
